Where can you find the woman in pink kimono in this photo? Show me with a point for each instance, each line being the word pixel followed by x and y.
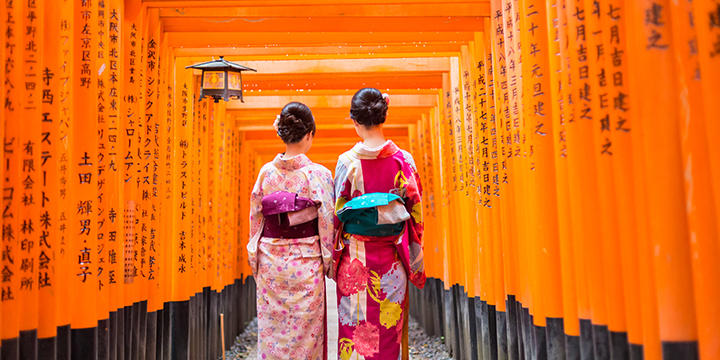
pixel 379 242
pixel 291 235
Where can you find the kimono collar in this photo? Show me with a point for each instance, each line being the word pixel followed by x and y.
pixel 293 163
pixel 385 150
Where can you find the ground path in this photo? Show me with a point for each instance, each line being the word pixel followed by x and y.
pixel 421 346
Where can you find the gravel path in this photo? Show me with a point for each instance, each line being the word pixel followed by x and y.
pixel 422 347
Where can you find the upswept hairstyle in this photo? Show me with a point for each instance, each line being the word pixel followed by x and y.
pixel 296 121
pixel 368 108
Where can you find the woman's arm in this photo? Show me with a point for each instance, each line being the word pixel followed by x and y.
pixel 256 220
pixel 324 192
pixel 413 203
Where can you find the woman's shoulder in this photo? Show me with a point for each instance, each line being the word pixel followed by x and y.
pixel 408 158
pixel 266 167
pixel 315 167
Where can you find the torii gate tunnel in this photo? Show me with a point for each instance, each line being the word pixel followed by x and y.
pixel 569 152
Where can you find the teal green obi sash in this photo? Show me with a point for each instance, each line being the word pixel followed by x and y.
pixel 374 214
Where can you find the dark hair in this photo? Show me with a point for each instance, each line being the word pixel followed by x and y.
pixel 368 108
pixel 296 121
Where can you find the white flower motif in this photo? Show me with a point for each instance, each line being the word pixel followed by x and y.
pixel 386 97
pixel 276 123
pixel 393 283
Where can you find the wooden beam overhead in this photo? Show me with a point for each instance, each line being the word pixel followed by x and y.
pixel 291 9
pixel 330 67
pixel 242 114
pixel 239 39
pixel 320 24
pixel 327 136
pixel 322 51
pixel 392 82
pixel 332 92
pixel 261 3
pixel 337 101
pixel 323 123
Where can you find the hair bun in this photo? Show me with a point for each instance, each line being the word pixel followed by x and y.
pixel 369 107
pixel 295 122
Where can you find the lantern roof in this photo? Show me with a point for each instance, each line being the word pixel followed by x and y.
pixel 220 64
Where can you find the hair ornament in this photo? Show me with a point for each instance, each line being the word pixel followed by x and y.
pixel 386 97
pixel 276 124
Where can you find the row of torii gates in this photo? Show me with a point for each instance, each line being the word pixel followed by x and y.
pixel 569 151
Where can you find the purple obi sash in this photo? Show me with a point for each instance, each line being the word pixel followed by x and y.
pixel 289 216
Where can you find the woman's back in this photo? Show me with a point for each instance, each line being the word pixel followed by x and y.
pixel 373 271
pixel 291 234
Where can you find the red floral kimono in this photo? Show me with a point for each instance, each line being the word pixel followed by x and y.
pixel 373 272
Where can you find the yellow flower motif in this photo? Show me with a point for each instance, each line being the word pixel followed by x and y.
pixel 417 212
pixel 374 290
pixel 390 313
pixel 400 180
pixel 346 348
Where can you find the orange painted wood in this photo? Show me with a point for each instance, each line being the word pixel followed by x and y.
pixel 10 287
pixel 621 123
pixel 696 162
pixel 291 10
pixel 488 142
pixel 115 183
pixel 699 194
pixel 29 192
pixel 49 240
pixel 583 194
pixel 705 11
pixel 471 224
pixel 131 29
pixel 540 128
pixel 322 24
pixel 65 128
pixel 448 168
pixel 512 258
pixel 182 128
pixel 84 169
pixel 320 51
pixel 151 156
pixel 214 39
pixel 600 102
pixel 667 219
pixel 499 166
pixel 231 3
pixel 3 12
pixel 103 197
pixel 559 90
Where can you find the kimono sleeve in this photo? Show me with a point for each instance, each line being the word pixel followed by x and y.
pixel 324 193
pixel 257 220
pixel 416 226
pixel 343 185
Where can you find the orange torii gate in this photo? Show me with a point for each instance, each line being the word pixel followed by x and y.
pixel 568 151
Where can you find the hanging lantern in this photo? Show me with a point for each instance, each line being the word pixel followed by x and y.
pixel 221 79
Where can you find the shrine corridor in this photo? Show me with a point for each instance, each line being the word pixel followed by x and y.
pixel 569 152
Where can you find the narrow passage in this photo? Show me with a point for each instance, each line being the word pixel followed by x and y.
pixel 422 347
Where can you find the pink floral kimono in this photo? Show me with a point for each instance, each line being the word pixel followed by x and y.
pixel 291 237
pixel 373 272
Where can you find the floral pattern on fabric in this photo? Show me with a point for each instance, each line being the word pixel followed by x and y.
pixel 373 272
pixel 290 273
pixel 353 276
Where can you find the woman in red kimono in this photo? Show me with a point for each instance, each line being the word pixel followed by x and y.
pixel 373 270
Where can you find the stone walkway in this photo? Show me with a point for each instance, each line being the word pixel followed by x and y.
pixel 422 347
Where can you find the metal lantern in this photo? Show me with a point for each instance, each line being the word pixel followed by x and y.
pixel 221 79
